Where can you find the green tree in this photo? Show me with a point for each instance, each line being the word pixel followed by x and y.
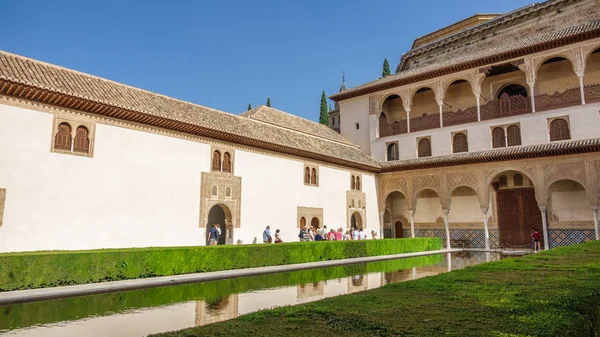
pixel 386 69
pixel 269 101
pixel 249 107
pixel 324 117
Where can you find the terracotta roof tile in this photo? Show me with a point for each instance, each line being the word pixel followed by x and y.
pixel 495 155
pixel 22 70
pixel 283 119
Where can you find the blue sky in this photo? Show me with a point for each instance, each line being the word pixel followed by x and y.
pixel 226 54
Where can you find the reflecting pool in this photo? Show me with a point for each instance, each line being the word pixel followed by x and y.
pixel 154 310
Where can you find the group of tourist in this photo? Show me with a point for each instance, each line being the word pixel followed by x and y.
pixel 320 234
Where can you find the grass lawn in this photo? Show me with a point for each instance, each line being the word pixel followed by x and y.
pixel 553 293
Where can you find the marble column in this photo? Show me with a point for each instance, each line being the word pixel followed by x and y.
pixel 581 89
pixel 412 223
pixel 449 259
pixel 447 226
pixel 441 105
pixel 596 226
pixel 408 121
pixel 382 226
pixel 478 98
pixel 545 227
pixel 486 229
pixel 414 273
pixel 532 94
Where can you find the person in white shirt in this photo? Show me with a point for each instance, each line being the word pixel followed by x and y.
pixel 355 235
pixel 362 235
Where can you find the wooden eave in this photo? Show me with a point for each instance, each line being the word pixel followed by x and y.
pixel 548 45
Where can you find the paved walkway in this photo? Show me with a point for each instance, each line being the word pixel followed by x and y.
pixel 31 295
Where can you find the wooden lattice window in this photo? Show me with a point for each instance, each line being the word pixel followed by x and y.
pixel 307 175
pixel 358 183
pixel 82 140
pixel 313 177
pixel 392 152
pixel 62 140
pixel 518 180
pixel 513 135
pixel 226 162
pixel 498 138
pixel 460 143
pixel 424 147
pixel 503 181
pixel 559 130
pixel 216 161
pixel 353 183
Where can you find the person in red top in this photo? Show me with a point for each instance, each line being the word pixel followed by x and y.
pixel 536 237
pixel 331 235
pixel 339 235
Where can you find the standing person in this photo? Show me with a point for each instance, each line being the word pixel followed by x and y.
pixel 536 240
pixel 212 236
pixel 373 235
pixel 323 231
pixel 218 228
pixel 311 234
pixel 319 237
pixel 331 235
pixel 278 237
pixel 362 235
pixel 354 233
pixel 303 235
pixel 267 238
pixel 338 235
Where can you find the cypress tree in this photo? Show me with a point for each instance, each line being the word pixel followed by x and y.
pixel 269 101
pixel 386 69
pixel 324 117
pixel 249 107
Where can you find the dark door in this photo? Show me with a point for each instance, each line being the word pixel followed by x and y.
pixel 518 212
pixel 398 228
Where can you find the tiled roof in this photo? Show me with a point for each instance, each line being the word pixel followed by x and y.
pixel 40 75
pixel 497 51
pixel 283 119
pixel 496 155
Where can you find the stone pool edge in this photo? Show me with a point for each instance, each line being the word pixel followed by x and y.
pixel 32 295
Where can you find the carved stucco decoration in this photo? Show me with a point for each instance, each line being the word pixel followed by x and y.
pixel 422 182
pixel 374 104
pixel 211 181
pixel 564 171
pixel 529 171
pixel 308 213
pixel 356 202
pixel 390 185
pixel 597 189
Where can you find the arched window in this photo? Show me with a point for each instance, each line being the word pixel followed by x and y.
pixel 216 161
pixel 353 183
pixel 302 222
pixel 226 162
pixel 498 138
pixel 392 152
pixel 213 191
pixel 82 141
pixel 514 135
pixel 518 180
pixel 359 204
pixel 512 90
pixel 383 126
pixel 307 175
pixel 358 183
pixel 424 148
pixel 459 143
pixel 228 192
pixel 62 140
pixel 503 181
pixel 313 177
pixel 559 130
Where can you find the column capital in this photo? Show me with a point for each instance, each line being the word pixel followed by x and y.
pixel 411 212
pixel 484 210
pixel 446 210
pixel 543 208
pixel 595 208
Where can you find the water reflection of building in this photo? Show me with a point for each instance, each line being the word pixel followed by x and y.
pixel 357 283
pixel 221 309
pixel 310 290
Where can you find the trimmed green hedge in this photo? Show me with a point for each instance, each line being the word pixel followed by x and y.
pixel 76 308
pixel 58 268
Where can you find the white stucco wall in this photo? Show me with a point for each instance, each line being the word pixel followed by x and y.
pixel 584 123
pixel 142 189
pixel 355 111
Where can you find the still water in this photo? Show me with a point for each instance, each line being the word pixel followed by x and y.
pixel 147 311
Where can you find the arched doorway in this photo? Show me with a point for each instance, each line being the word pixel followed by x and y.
pixel 396 208
pixel 302 222
pixel 315 222
pixel 218 214
pixel 517 209
pixel 356 221
pixel 398 227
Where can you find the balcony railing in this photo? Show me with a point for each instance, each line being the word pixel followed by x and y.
pixel 395 128
pixel 569 97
